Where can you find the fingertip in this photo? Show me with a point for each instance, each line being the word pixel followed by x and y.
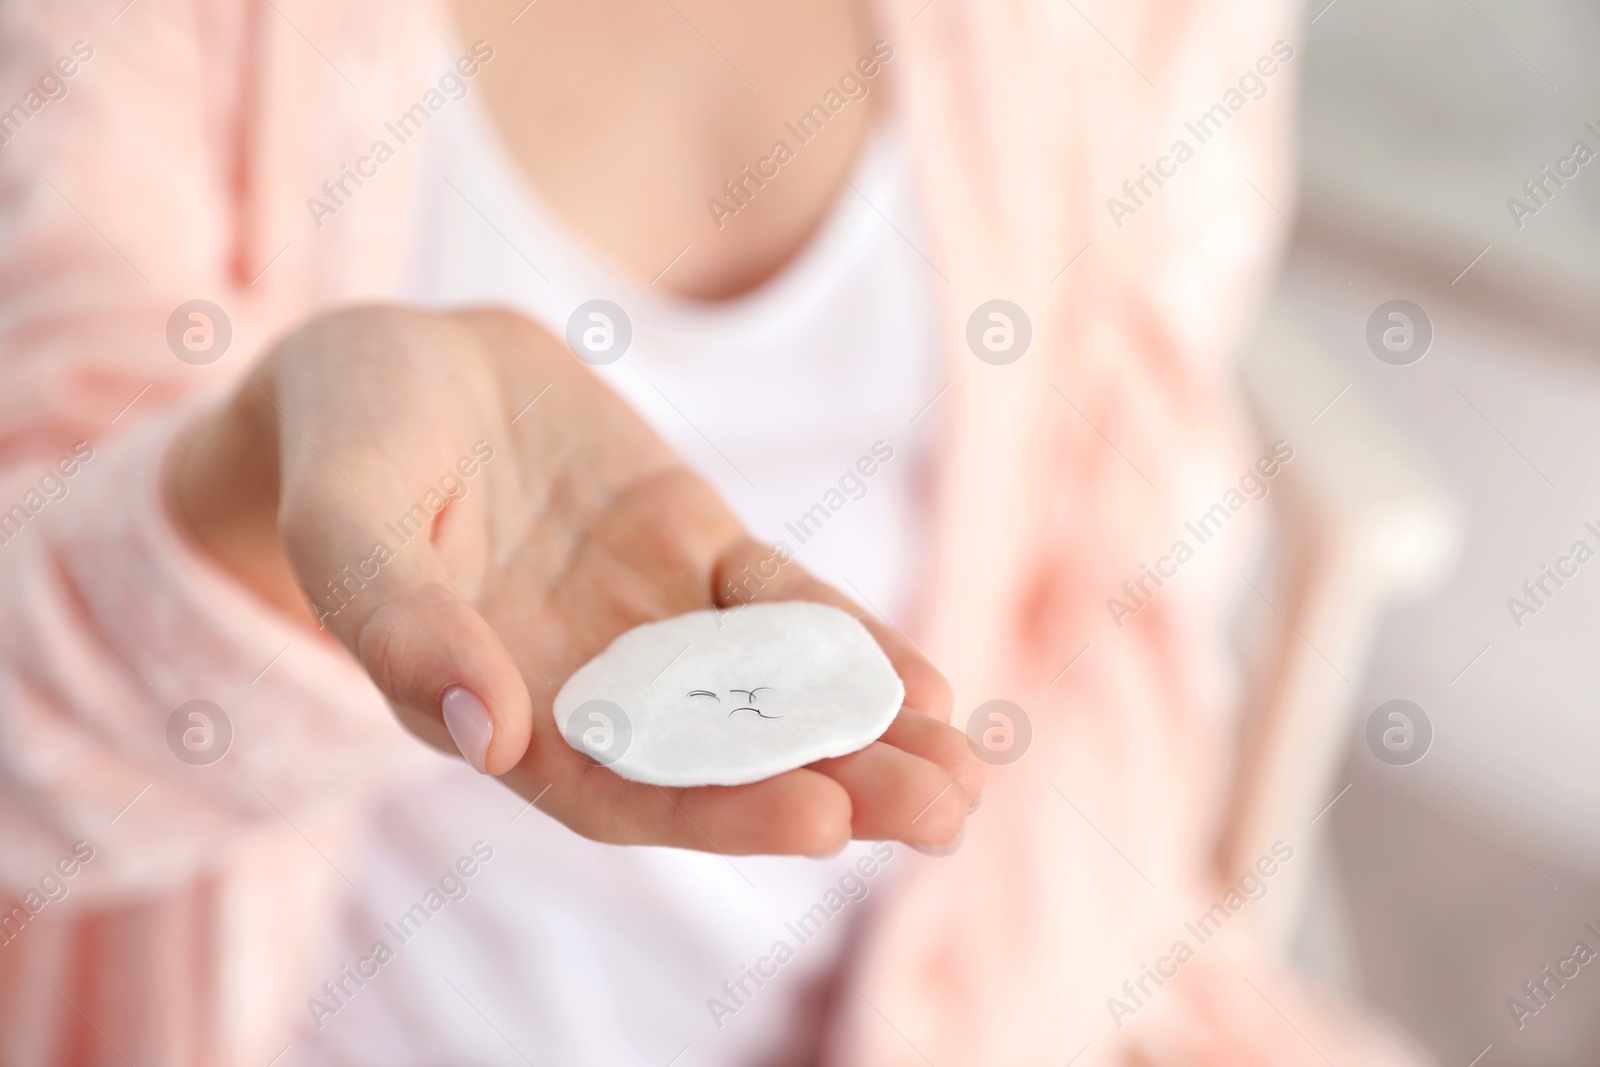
pixel 805 814
pixel 830 828
pixel 941 825
pixel 478 671
pixel 431 653
pixel 970 774
pixel 511 712
pixel 491 743
pixel 944 849
pixel 942 745
pixel 470 724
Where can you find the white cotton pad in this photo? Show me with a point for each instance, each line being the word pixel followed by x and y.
pixel 724 698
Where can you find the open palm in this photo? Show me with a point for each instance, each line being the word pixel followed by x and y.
pixel 574 524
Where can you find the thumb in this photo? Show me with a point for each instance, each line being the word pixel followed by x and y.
pixel 444 669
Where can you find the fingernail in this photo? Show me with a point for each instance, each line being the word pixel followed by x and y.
pixel 944 849
pixel 975 802
pixel 469 724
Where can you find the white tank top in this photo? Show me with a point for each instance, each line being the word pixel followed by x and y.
pixel 561 951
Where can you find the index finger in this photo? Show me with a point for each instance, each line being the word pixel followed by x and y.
pixel 926 689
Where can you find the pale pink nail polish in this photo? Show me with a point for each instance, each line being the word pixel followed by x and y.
pixel 469 724
pixel 944 849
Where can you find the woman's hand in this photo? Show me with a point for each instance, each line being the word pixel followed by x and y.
pixel 570 522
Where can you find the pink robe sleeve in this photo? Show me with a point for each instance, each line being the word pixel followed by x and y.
pixel 120 198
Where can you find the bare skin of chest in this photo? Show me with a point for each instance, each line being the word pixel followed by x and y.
pixel 632 117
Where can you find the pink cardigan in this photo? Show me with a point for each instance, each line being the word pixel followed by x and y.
pixel 177 166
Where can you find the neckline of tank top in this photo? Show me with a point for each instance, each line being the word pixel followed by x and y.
pixel 873 194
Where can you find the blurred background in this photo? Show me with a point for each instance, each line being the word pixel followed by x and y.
pixel 1446 884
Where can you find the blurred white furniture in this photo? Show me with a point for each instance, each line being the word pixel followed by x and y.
pixel 1360 523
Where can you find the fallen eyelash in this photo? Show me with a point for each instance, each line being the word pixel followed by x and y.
pixel 758 711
